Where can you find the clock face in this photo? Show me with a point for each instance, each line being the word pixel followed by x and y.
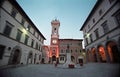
pixel 54 41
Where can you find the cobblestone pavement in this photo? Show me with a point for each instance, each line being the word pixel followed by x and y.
pixel 48 70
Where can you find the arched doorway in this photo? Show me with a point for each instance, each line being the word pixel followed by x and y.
pixel 102 54
pixel 30 58
pixel 113 52
pixel 53 58
pixel 16 57
pixel 94 56
pixel 73 59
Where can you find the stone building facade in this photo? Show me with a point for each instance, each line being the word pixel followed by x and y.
pixel 58 46
pixel 20 40
pixel 101 32
pixel 75 48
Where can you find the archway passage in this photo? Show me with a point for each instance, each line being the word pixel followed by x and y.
pixel 16 57
pixel 53 58
pixel 102 54
pixel 114 54
pixel 94 55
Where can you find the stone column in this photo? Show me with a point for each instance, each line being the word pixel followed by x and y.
pixel 107 55
pixel 91 56
pixel 97 54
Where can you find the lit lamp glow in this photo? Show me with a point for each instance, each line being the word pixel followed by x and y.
pixel 26 28
pixel 24 31
pixel 87 35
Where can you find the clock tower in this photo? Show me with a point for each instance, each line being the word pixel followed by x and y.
pixel 54 50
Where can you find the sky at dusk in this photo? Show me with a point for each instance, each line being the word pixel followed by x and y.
pixel 71 14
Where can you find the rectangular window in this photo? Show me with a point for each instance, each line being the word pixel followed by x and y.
pixel 91 39
pixel 28 28
pixel 93 20
pixel 100 12
pixel 61 51
pixel 26 39
pixel 36 45
pixel 8 29
pixel 96 33
pixel 39 47
pixel 34 32
pixel 2 48
pixel 105 27
pixel 13 12
pixel 61 58
pixel 22 22
pixel 118 17
pixel 19 34
pixel 32 43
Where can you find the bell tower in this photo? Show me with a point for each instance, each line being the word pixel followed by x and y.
pixel 54 50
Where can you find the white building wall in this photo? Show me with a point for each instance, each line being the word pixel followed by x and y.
pixel 10 42
pixel 109 10
pixel 105 6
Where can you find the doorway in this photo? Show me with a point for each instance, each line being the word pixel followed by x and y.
pixel 16 57
pixel 114 54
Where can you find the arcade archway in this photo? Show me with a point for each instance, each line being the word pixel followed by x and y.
pixel 53 58
pixel 101 52
pixel 113 52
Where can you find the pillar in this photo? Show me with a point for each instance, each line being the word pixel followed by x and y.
pixel 107 55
